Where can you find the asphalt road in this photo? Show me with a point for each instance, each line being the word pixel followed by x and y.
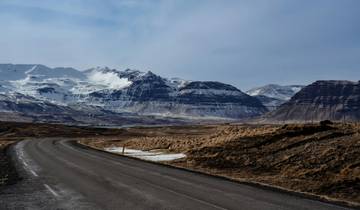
pixel 61 175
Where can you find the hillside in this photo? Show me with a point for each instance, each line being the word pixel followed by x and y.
pixel 321 100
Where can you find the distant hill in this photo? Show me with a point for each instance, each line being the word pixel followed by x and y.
pixel 333 100
pixel 272 96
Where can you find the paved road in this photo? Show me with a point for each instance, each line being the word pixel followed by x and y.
pixel 60 175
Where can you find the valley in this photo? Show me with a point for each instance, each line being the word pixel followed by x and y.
pixel 314 161
pixel 179 105
pixel 275 137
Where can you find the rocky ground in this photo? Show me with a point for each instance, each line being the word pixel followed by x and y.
pixel 317 159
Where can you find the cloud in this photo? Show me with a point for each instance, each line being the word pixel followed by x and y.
pixel 246 43
pixel 109 79
pixel 249 44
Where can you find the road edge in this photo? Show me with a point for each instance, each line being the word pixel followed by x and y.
pixel 7 151
pixel 264 186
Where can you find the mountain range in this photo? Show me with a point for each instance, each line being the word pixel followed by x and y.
pixel 107 96
pixel 100 91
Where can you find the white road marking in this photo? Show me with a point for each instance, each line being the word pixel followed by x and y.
pixel 22 159
pixel 51 190
pixel 33 172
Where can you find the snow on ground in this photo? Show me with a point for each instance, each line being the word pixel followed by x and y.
pixel 147 155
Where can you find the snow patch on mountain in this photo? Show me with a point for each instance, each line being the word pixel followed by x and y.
pixel 272 96
pixel 276 91
pixel 211 92
pixel 4 90
pixel 177 82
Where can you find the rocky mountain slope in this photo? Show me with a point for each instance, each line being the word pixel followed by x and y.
pixel 130 91
pixel 21 108
pixel 272 96
pixel 333 100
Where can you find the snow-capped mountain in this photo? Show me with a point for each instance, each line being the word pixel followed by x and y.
pixel 13 72
pixel 273 96
pixel 336 100
pixel 128 91
pixel 151 94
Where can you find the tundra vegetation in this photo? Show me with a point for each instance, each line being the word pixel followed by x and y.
pixel 321 159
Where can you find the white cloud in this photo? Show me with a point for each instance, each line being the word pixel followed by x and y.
pixel 109 79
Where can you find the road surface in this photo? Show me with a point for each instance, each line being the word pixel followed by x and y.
pixel 61 175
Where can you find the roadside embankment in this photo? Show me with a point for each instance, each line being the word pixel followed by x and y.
pixel 8 174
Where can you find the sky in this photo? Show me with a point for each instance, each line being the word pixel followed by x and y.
pixel 246 43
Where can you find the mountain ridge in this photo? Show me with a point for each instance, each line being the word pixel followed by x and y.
pixel 337 100
pixel 129 91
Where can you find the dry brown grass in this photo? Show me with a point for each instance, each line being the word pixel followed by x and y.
pixel 179 138
pixel 323 160
pixel 313 159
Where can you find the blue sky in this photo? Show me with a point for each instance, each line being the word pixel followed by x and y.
pixel 246 43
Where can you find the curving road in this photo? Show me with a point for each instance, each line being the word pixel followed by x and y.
pixel 61 175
